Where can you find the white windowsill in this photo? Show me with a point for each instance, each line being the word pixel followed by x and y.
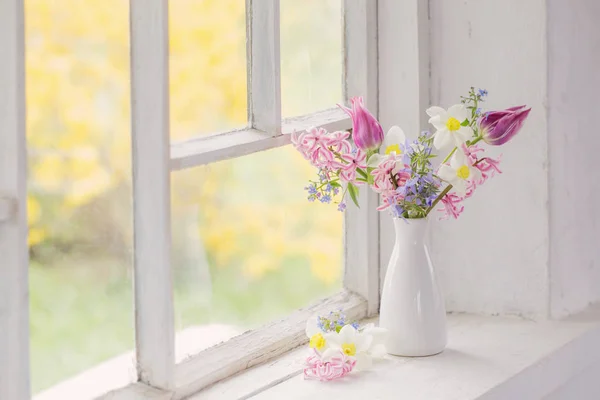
pixel 486 358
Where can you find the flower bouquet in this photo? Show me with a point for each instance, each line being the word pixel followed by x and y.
pixel 411 187
pixel 339 346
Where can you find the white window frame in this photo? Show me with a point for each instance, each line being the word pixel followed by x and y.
pixel 154 157
pixel 14 261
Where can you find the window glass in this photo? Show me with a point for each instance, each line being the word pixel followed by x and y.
pixel 311 55
pixel 207 66
pixel 247 245
pixel 79 189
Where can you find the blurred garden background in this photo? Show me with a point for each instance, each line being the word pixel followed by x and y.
pixel 247 246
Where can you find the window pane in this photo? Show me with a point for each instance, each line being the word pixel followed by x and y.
pixel 79 198
pixel 207 66
pixel 248 247
pixel 311 55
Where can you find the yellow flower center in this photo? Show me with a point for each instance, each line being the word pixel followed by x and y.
pixel 463 172
pixel 349 349
pixel 317 341
pixel 453 124
pixel 393 147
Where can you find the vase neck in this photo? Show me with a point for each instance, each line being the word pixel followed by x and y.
pixel 413 227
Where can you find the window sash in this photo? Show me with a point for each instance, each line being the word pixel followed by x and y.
pixel 14 305
pixel 263 65
pixel 152 159
pixel 223 146
pixel 154 308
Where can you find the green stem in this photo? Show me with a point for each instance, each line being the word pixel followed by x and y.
pixel 437 199
pixel 325 183
pixel 476 140
pixel 344 194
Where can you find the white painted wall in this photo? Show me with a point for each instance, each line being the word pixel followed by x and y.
pixel 528 242
pixel 574 179
pixel 494 258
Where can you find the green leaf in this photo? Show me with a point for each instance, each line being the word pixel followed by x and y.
pixel 361 173
pixel 353 191
pixel 335 184
pixel 465 122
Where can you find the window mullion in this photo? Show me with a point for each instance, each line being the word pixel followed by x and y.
pixel 264 75
pixel 14 301
pixel 360 79
pixel 154 312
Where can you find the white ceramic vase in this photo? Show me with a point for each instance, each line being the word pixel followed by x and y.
pixel 412 305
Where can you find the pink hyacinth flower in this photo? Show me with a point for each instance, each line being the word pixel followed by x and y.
pixel 452 205
pixel 366 130
pixel 353 161
pixel 329 368
pixel 338 141
pixel 498 127
pixel 315 145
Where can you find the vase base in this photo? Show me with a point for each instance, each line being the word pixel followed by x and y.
pixel 415 354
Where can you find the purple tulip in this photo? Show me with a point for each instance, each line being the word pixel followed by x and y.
pixel 498 127
pixel 366 130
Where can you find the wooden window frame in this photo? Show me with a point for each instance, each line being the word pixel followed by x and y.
pixel 153 159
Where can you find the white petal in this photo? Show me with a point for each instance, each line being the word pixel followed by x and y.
pixel 446 173
pixel 311 327
pixel 458 111
pixel 463 134
pixel 459 186
pixel 394 136
pixel 435 110
pixel 378 350
pixel 363 342
pixel 442 139
pixel 458 159
pixel 329 354
pixel 375 160
pixel 333 339
pixel 363 361
pixel 438 122
pixel 379 334
pixel 474 174
pixel 348 334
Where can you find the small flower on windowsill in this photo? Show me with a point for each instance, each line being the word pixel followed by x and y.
pixel 329 366
pixel 338 346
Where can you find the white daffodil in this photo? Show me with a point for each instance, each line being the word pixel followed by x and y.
pixel 459 172
pixel 449 131
pixel 392 144
pixel 353 344
pixel 377 348
pixel 316 335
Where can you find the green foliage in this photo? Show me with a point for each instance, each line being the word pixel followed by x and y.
pixel 353 192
